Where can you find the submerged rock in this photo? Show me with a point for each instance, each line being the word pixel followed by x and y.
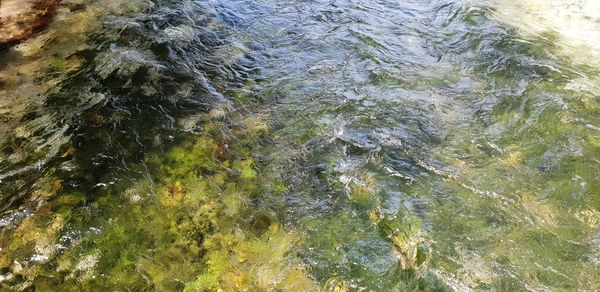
pixel 20 19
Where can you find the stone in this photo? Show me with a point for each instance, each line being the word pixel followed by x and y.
pixel 20 19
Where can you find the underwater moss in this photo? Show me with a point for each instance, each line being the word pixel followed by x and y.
pixel 335 285
pixel 244 167
pixel 407 237
pixel 280 188
pixel 59 65
pixel 361 196
pixel 237 261
pixel 195 209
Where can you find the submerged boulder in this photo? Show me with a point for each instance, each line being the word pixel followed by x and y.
pixel 20 19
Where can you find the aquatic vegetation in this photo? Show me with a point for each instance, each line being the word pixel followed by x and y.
pixel 235 145
pixel 335 285
pixel 407 237
pixel 192 211
pixel 237 262
pixel 361 196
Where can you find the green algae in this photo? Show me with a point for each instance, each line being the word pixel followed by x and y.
pixel 529 222
pixel 237 262
pixel 195 211
pixel 280 187
pixel 193 222
pixel 512 191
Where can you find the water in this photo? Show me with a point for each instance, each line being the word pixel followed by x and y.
pixel 335 145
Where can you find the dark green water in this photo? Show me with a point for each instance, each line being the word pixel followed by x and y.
pixel 303 145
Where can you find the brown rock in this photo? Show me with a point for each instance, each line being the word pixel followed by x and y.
pixel 20 19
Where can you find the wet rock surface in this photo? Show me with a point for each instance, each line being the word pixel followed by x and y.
pixel 20 19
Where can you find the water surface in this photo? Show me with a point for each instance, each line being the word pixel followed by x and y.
pixel 335 145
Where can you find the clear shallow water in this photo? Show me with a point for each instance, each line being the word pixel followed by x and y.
pixel 360 145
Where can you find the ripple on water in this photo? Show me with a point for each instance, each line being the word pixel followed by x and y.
pixel 377 145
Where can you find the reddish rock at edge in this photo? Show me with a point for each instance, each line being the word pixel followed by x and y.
pixel 19 19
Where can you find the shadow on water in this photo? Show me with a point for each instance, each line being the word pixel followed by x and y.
pixel 129 87
pixel 141 76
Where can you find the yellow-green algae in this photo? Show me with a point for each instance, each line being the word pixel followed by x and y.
pixel 190 226
pixel 513 198
pixel 531 195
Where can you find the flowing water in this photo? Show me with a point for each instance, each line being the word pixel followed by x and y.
pixel 303 145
